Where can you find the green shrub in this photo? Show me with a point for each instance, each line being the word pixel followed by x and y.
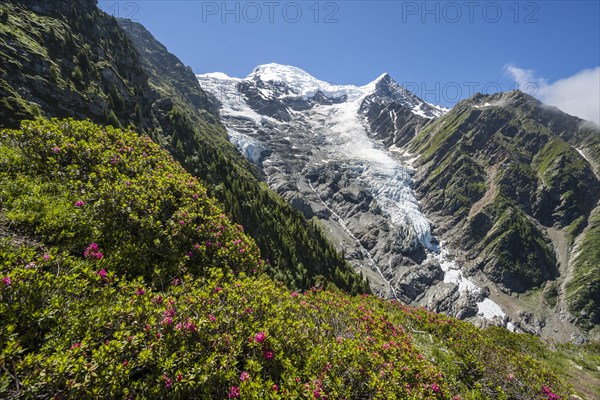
pixel 72 183
pixel 120 278
pixel 73 331
pixel 77 76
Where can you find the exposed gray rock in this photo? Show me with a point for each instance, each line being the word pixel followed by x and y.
pixel 311 142
pixel 340 154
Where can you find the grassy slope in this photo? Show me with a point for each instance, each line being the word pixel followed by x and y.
pixel 135 202
pixel 183 322
pixel 49 65
pixel 584 288
pixel 540 177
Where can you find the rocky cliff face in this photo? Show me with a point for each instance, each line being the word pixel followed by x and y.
pixel 166 73
pixel 393 114
pixel 501 178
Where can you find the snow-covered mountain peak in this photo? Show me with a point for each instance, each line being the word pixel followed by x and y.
pixel 289 83
pixel 298 78
pixel 371 87
pixel 385 90
pixel 299 82
pixel 218 76
pixel 385 77
pixel 274 72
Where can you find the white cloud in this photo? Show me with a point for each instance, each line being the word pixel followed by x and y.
pixel 578 94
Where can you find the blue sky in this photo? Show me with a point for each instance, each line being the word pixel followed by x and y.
pixel 442 50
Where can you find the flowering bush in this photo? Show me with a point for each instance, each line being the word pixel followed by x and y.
pixel 113 337
pixel 117 298
pixel 151 218
pixel 93 251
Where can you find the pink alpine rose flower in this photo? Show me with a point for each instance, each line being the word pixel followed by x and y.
pixel 234 392
pixel 92 251
pixel 260 337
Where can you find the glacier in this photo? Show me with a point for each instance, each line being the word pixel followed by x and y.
pixel 309 135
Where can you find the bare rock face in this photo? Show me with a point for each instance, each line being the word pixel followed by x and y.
pixel 333 154
pixel 339 154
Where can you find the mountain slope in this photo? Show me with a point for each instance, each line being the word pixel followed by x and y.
pixel 298 252
pixel 509 181
pixel 68 184
pixel 68 60
pixel 307 138
pixel 394 114
pixel 115 72
pixel 316 145
pixel 198 319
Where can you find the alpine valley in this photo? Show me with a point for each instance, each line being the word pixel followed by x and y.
pixel 166 234
pixel 486 212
